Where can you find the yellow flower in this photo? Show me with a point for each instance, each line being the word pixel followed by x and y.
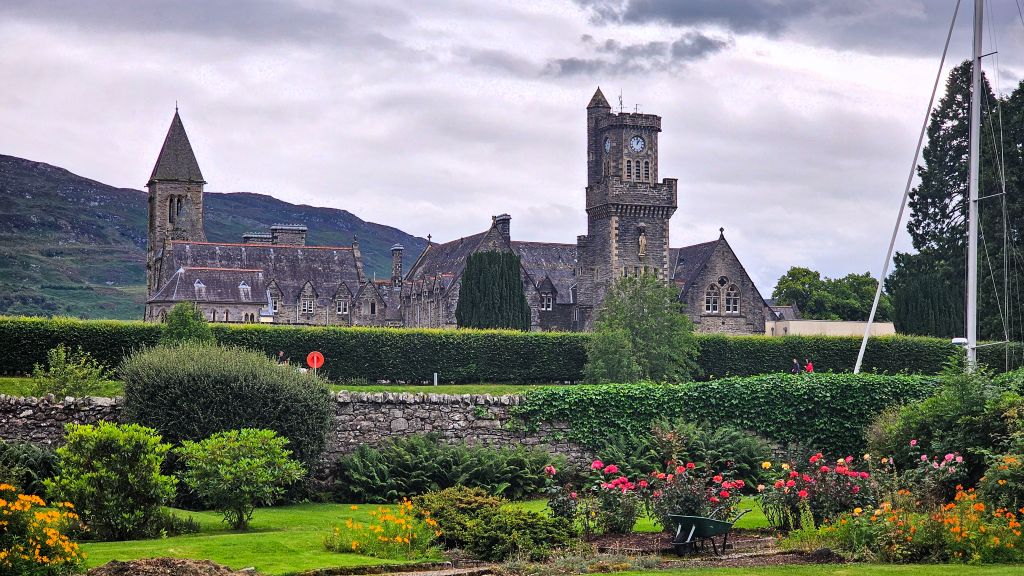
pixel 857 511
pixel 785 466
pixel 766 464
pixel 353 507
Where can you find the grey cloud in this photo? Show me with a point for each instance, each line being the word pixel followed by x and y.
pixel 613 57
pixel 738 15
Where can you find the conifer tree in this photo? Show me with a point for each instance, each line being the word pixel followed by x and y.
pixel 491 293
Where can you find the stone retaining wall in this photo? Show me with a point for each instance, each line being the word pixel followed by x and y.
pixel 359 418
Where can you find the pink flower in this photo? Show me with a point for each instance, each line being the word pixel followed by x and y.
pixel 714 500
pixel 717 478
pixel 913 442
pixel 724 493
pixel 823 469
pixel 680 469
pixel 550 470
pixel 739 483
pixel 802 493
pixel 660 476
pixel 864 474
pixel 779 483
pixel 611 469
pixel 572 495
pixel 643 483
pixel 959 459
pixel 924 457
pixel 855 489
pixel 657 494
pixel 790 484
pixel 596 465
pixel 814 459
pixel 849 459
pixel 793 473
pixel 760 487
pixel 690 466
pixel 949 457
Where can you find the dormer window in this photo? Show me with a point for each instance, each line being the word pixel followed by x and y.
pixel 373 308
pixel 342 307
pixel 244 291
pixel 200 289
pixel 274 303
pixel 546 302
pixel 307 304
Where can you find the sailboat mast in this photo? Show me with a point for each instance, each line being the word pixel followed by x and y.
pixel 972 205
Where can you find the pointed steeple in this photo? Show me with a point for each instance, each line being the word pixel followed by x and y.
pixel 598 101
pixel 176 162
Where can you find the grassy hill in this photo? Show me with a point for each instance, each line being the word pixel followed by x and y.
pixel 74 246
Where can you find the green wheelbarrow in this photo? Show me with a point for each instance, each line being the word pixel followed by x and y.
pixel 694 532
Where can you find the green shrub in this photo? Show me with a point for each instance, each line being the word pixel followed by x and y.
pixel 235 471
pixel 186 323
pixel 470 356
pixel 829 411
pixel 413 465
pixel 111 473
pixel 510 533
pixel 1003 482
pixel 191 391
pixel 970 413
pixel 67 373
pixel 455 508
pixel 26 466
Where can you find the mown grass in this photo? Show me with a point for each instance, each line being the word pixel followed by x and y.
pixel 282 540
pixel 22 386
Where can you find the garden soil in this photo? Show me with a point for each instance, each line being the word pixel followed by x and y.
pixel 165 567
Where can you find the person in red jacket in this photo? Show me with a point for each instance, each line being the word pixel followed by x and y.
pixel 808 365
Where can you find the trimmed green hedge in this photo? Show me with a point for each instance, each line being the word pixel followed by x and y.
pixel 462 356
pixel 828 412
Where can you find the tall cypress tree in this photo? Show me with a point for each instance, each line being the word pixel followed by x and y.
pixel 928 287
pixel 491 293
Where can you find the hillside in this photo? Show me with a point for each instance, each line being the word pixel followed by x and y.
pixel 74 246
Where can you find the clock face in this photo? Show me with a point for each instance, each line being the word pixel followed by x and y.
pixel 637 144
pixel 607 145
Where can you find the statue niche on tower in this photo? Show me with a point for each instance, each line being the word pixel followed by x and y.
pixel 642 242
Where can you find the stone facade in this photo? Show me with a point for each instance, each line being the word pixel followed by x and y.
pixel 359 418
pixel 276 278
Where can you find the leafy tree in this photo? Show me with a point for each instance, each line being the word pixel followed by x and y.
pixel 491 293
pixel 111 473
pixel 237 470
pixel 928 287
pixel 186 323
pixel 641 331
pixel 846 298
pixel 68 374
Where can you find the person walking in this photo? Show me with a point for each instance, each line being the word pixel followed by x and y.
pixel 796 369
pixel 281 358
pixel 808 365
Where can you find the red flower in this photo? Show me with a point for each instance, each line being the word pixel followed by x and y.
pixel 680 469
pixel 643 483
pixel 714 500
pixel 689 466
pixel 802 493
pixel 816 457
pixel 724 493
pixel 550 470
pixel 727 485
pixel 657 494
pixel 739 483
pixel 790 484
pixel 855 489
pixel 779 483
pixel 611 469
pixel 824 469
pixel 596 465
pixel 793 473
pixel 807 478
pixel 864 474
pixel 661 476
pixel 572 495
pixel 717 478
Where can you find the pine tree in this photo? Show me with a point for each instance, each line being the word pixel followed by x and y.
pixel 491 293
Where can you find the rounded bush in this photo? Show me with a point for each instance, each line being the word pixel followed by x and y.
pixel 191 391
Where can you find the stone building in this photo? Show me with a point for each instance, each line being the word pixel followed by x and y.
pixel 274 277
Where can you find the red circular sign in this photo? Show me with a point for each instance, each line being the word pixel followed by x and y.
pixel 315 359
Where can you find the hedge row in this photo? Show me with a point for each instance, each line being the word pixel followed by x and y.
pixel 827 412
pixel 412 355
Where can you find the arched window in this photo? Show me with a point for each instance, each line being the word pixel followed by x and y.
pixel 732 300
pixel 647 170
pixel 711 300
pixel 629 169
pixel 636 174
pixel 227 315
pixel 213 315
pixel 163 315
pixel 373 308
pixel 170 209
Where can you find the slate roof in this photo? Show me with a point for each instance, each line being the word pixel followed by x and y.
pixel 687 262
pixel 447 260
pixel 784 312
pixel 330 269
pixel 176 161
pixel 208 284
pixel 598 101
pixel 550 260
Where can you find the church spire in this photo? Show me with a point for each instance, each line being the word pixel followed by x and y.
pixel 176 162
pixel 598 101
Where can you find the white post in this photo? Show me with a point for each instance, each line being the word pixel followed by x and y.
pixel 435 378
pixel 972 204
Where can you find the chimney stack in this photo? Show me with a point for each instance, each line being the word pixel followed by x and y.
pixel 503 222
pixel 289 234
pixel 396 265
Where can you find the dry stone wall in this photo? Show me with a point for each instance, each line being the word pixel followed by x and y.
pixel 359 418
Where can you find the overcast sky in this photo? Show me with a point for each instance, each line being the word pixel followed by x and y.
pixel 789 123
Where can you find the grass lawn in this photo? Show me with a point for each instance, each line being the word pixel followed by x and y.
pixel 841 570
pixel 282 540
pixel 754 519
pixel 21 386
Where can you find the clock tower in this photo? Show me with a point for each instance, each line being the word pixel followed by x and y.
pixel 628 209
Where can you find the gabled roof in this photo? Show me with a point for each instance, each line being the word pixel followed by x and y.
pixel 549 260
pixel 212 284
pixel 687 262
pixel 176 162
pixel 598 101
pixel 443 259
